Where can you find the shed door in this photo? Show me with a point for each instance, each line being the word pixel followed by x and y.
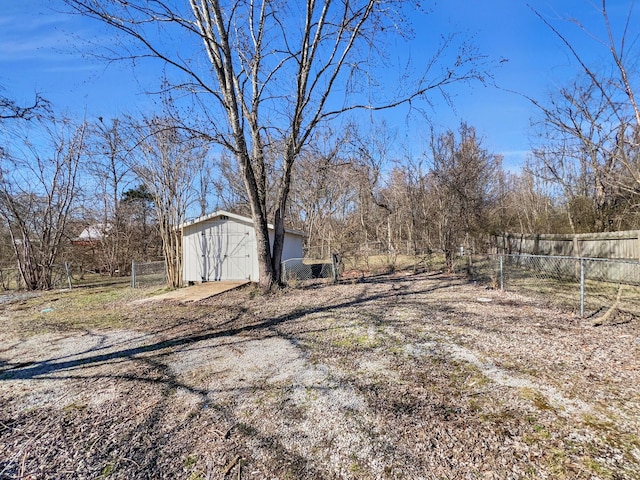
pixel 228 256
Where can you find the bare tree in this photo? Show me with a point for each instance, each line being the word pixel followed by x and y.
pixel 322 194
pixel 577 152
pixel 109 170
pixel 416 188
pixel 403 196
pixel 205 184
pixel 590 130
pixel 524 205
pixel 463 176
pixel 371 156
pixel 37 192
pixel 11 110
pixel 276 71
pixel 168 161
pixel 617 48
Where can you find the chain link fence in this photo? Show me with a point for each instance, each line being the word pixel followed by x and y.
pixel 148 274
pixel 372 258
pixel 298 269
pixel 62 276
pixel 359 264
pixel 593 287
pixel 10 279
pixel 363 250
pixel 68 275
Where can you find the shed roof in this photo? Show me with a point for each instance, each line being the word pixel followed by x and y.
pixel 234 216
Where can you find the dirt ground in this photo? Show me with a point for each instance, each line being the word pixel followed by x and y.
pixel 400 376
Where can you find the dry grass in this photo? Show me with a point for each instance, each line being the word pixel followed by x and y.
pixel 398 376
pixel 96 307
pixel 355 266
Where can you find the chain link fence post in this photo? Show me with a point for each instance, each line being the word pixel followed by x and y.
pixel 68 270
pixel 334 265
pixel 582 288
pixel 587 286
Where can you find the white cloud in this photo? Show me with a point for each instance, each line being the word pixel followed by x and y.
pixel 31 33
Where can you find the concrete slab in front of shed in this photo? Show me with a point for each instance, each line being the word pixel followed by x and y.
pixel 199 291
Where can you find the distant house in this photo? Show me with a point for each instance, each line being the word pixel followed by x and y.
pixel 92 235
pixel 222 246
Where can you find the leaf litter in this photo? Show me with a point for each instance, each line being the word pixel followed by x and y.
pixel 398 376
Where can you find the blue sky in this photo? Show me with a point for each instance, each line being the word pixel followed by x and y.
pixel 41 51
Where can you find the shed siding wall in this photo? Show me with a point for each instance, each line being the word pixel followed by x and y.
pixel 219 250
pixel 292 245
pixel 226 249
pixel 192 254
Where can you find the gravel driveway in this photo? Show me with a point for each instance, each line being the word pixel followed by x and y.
pixel 399 376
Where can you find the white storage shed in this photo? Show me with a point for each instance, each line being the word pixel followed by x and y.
pixel 222 246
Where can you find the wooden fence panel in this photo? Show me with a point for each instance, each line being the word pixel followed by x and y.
pixel 623 245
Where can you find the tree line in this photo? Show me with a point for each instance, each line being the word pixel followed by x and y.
pixel 98 194
pixel 271 130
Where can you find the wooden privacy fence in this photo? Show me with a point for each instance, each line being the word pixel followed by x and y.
pixel 623 245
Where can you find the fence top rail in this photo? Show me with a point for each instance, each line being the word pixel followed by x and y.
pixel 289 260
pixel 619 235
pixel 563 257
